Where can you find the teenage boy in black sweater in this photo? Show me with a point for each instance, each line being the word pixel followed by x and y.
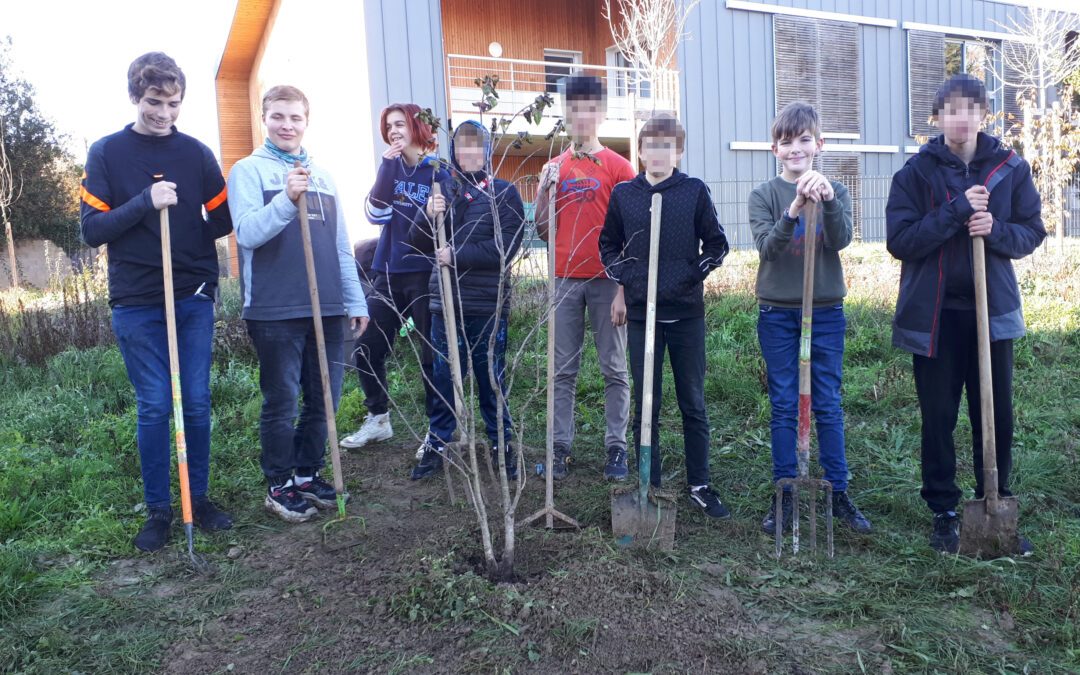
pixel 692 244
pixel 121 203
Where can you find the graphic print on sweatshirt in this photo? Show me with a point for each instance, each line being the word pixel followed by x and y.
pixel 798 238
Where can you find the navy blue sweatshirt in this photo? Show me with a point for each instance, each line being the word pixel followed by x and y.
pixel 692 244
pixel 399 192
pixel 117 210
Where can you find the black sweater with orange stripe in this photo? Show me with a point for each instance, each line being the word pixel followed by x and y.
pixel 117 210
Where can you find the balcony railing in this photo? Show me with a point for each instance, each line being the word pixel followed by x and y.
pixel 521 80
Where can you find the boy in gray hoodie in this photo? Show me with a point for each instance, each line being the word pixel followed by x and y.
pixel 264 190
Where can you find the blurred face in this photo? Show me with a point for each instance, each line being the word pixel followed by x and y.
pixel 658 155
pixel 286 122
pixel 583 116
pixel 397 128
pixel 156 112
pixel 796 154
pixel 960 119
pixel 469 153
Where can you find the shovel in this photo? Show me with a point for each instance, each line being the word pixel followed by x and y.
pixel 802 448
pixel 641 516
pixel 989 528
pixel 199 563
pixel 328 397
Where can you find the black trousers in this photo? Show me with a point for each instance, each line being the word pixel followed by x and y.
pixel 939 382
pixel 684 341
pixel 394 296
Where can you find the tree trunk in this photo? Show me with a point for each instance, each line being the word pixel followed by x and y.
pixel 11 253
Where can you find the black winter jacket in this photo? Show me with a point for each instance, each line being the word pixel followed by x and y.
pixel 482 256
pixel 692 244
pixel 926 220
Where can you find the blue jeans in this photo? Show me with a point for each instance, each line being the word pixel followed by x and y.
pixel 473 333
pixel 140 334
pixel 289 365
pixel 778 334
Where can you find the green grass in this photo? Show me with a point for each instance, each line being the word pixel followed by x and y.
pixel 69 488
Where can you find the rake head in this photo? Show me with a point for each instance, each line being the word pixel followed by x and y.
pixel 200 564
pixel 811 486
pixel 336 536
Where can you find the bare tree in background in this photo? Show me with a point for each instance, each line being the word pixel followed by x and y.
pixel 10 191
pixel 648 33
pixel 1040 58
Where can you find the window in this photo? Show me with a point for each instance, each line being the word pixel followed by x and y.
pixel 974 58
pixel 819 62
pixel 933 57
pixel 618 80
pixel 559 66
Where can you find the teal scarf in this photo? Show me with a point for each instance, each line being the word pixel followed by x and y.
pixel 284 156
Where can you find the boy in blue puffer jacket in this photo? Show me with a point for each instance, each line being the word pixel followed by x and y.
pixel 962 184
pixel 479 251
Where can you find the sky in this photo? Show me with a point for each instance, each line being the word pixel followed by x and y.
pixel 76 54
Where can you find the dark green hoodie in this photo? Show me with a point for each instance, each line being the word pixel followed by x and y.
pixel 780 244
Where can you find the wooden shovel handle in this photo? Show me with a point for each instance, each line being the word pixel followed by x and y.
pixel 986 384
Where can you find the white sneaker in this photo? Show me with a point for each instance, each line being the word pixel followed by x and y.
pixel 375 428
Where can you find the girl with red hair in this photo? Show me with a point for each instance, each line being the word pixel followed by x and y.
pixel 400 273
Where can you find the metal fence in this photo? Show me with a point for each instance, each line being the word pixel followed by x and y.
pixel 868 197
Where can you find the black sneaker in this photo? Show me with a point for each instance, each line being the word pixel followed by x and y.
pixel 155 531
pixel 616 469
pixel 706 499
pixel 768 525
pixel 286 503
pixel 320 493
pixel 946 535
pixel 1026 547
pixel 844 509
pixel 208 517
pixel 430 463
pixel 511 462
pixel 560 465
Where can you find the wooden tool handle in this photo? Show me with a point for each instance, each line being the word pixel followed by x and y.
pixel 446 290
pixel 320 339
pixel 986 384
pixel 810 219
pixel 174 367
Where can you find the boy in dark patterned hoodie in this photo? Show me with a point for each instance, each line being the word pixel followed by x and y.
pixel 692 244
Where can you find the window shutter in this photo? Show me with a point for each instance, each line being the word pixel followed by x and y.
pixel 926 72
pixel 846 168
pixel 840 103
pixel 1011 52
pixel 819 62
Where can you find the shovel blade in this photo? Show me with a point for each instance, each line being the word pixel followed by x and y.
pixel 989 528
pixel 646 525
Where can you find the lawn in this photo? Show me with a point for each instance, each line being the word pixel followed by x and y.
pixel 74 596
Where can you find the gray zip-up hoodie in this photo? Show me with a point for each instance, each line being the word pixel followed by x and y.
pixel 273 278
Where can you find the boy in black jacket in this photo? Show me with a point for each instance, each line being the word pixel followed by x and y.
pixel 962 184
pixel 692 244
pixel 479 252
